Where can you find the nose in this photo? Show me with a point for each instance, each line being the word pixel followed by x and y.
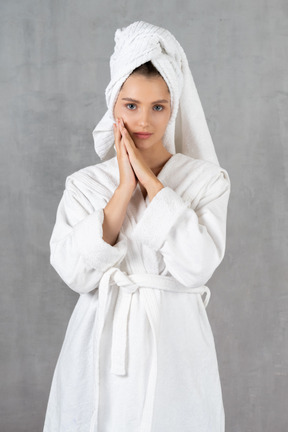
pixel 144 119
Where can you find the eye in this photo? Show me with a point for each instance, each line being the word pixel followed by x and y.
pixel 131 106
pixel 158 107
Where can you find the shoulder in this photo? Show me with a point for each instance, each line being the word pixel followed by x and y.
pixel 190 170
pixel 102 177
pixel 198 165
pixel 196 180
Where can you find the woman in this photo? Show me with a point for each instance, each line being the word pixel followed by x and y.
pixel 138 236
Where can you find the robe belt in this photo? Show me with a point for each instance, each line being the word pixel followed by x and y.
pixel 127 285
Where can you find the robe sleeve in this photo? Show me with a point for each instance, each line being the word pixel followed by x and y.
pixel 78 252
pixel 191 240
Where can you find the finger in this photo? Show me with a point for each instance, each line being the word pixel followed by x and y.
pixel 115 137
pixel 115 130
pixel 123 147
pixel 127 140
pixel 126 133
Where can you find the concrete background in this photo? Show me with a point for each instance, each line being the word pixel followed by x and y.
pixel 54 70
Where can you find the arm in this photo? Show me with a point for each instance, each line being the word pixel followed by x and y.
pixel 191 241
pixel 83 242
pixel 114 214
pixel 78 252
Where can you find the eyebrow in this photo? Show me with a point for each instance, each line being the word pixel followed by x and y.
pixel 155 102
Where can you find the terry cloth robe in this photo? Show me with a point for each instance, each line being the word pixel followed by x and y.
pixel 138 353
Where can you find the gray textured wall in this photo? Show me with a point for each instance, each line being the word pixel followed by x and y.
pixel 54 69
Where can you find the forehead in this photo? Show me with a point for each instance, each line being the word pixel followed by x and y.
pixel 147 87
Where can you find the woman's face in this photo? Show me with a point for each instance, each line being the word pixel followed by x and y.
pixel 144 105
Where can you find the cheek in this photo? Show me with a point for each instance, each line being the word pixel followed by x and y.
pixel 124 114
pixel 165 121
pixel 116 111
pixel 120 111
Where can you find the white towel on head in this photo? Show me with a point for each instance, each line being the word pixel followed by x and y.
pixel 187 131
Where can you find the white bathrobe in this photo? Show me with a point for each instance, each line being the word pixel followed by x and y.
pixel 139 354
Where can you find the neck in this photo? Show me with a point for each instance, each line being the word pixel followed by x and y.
pixel 155 158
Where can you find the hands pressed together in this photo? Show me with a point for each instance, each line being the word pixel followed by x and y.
pixel 132 166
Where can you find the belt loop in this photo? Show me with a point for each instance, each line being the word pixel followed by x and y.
pixel 207 296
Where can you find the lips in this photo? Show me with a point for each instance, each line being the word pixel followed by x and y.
pixel 142 135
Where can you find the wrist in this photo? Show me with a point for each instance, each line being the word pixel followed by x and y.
pixel 153 188
pixel 124 192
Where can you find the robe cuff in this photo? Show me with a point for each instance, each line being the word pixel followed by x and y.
pixel 159 217
pixel 96 252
